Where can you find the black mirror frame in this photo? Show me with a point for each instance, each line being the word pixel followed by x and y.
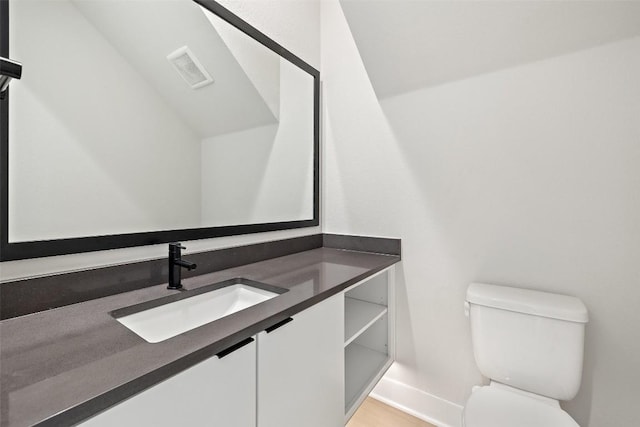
pixel 43 248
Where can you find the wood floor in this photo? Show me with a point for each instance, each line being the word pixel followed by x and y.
pixel 374 413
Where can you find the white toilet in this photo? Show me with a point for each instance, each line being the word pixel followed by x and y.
pixel 530 345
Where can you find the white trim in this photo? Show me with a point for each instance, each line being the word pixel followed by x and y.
pixel 418 403
pixel 391 311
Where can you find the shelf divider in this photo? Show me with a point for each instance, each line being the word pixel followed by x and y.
pixel 359 315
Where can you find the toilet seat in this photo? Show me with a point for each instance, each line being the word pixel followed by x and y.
pixel 492 406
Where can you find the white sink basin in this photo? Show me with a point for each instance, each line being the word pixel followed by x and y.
pixel 165 321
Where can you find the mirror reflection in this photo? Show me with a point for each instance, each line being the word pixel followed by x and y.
pixel 151 115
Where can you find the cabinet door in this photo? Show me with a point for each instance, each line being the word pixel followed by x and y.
pixel 301 369
pixel 215 392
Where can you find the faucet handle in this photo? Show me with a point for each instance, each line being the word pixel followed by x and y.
pixel 176 245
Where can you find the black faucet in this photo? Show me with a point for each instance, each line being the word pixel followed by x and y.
pixel 175 265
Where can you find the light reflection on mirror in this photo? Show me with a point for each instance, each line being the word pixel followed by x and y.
pixel 106 137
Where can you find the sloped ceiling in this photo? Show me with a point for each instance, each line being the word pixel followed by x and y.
pixel 411 44
pixel 145 32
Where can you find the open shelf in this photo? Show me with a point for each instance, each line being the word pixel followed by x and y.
pixel 369 343
pixel 361 365
pixel 359 316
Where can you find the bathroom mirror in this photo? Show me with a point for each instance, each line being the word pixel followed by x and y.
pixel 149 121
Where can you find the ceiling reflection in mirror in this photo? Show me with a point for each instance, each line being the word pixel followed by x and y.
pixel 136 116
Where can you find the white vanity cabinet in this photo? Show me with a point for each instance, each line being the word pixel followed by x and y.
pixel 300 368
pixel 313 370
pixel 218 392
pixel 369 336
pixel 291 375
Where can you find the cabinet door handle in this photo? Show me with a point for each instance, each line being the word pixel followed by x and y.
pixel 234 347
pixel 277 325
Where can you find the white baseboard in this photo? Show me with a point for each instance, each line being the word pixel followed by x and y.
pixel 418 403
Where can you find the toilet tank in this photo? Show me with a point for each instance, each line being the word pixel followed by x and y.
pixel 528 339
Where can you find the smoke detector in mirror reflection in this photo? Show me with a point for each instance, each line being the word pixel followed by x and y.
pixel 189 68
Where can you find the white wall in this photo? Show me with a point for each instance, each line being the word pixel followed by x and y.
pixel 525 176
pixel 235 166
pixel 287 185
pixel 295 25
pixel 408 45
pixel 264 174
pixel 261 66
pixel 65 131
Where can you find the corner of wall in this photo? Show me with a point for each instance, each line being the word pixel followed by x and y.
pixel 418 403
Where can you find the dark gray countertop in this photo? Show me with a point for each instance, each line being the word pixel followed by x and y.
pixel 61 366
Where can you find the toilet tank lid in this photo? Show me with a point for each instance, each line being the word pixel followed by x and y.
pixel 527 301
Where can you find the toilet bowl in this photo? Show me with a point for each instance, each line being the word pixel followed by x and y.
pixel 497 406
pixel 530 345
